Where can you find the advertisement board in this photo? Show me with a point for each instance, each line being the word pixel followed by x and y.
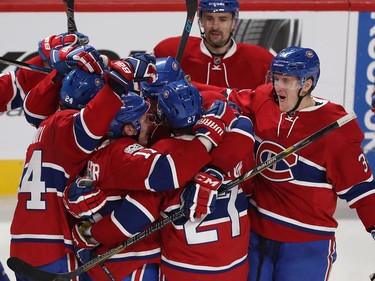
pixel 364 82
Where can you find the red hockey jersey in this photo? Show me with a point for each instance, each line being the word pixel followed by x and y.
pixel 61 147
pixel 243 66
pixel 214 247
pixel 15 85
pixel 295 199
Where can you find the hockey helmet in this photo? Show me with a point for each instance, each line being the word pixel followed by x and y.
pixel 168 70
pixel 79 87
pixel 180 103
pixel 296 61
pixel 134 108
pixel 219 6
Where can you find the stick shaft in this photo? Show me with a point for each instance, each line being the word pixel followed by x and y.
pixel 191 6
pixel 25 65
pixel 72 27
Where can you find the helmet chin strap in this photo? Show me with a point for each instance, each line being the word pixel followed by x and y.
pixel 293 111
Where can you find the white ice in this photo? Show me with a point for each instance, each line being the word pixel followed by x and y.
pixel 355 247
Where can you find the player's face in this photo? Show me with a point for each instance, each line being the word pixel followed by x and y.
pixel 217 27
pixel 145 123
pixel 287 89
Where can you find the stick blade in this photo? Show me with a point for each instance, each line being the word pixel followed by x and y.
pixel 21 267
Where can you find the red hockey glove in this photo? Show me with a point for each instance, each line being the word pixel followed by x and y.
pixel 213 123
pixel 85 57
pixel 82 199
pixel 199 196
pixel 210 128
pixel 126 74
pixel 83 242
pixel 46 45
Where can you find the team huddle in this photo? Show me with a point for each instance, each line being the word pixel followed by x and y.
pixel 122 144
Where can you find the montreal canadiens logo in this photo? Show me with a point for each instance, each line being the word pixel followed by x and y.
pixel 174 66
pixel 133 148
pixel 309 54
pixel 98 82
pixel 278 172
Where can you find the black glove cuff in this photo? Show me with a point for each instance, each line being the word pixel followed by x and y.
pixel 210 166
pixel 118 88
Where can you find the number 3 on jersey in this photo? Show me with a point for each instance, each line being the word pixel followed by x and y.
pixel 31 182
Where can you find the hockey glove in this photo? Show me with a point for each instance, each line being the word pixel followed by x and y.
pixel 144 67
pixel 85 57
pixel 236 109
pixel 83 242
pixel 46 45
pixel 199 196
pixel 126 74
pixel 82 199
pixel 213 123
pixel 221 110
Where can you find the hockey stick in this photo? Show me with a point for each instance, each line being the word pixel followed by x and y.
pixel 25 65
pixel 21 267
pixel 69 5
pixel 191 7
pixel 72 28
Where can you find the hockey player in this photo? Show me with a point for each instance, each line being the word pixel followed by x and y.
pixel 125 165
pixel 214 225
pixel 190 259
pixel 216 59
pixel 293 203
pixel 60 149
